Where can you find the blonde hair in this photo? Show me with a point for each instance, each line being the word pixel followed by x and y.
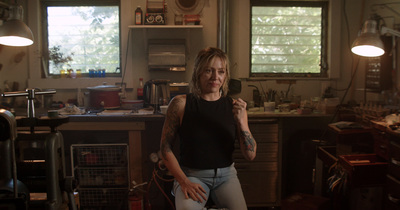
pixel 204 58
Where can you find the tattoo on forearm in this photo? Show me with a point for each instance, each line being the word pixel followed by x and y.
pixel 170 129
pixel 248 140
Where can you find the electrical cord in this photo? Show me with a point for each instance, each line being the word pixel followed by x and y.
pixel 154 178
pixel 162 191
pixel 354 70
pixel 126 57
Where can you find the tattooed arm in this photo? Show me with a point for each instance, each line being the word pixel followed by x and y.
pixel 169 134
pixel 248 145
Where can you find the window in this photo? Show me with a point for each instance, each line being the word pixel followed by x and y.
pixel 82 35
pixel 288 38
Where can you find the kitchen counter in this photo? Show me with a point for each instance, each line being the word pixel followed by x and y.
pixel 161 117
pixel 122 116
pixel 113 118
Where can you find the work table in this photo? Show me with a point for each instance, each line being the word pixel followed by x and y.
pixel 126 117
pixel 278 134
pixel 161 117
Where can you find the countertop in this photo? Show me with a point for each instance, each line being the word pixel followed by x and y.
pixel 123 116
pixel 278 114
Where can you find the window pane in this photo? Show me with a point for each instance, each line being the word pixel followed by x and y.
pixel 88 34
pixel 286 39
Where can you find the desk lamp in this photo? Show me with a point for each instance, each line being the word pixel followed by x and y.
pixel 369 44
pixel 14 32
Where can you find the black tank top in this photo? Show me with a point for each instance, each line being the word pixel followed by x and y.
pixel 207 133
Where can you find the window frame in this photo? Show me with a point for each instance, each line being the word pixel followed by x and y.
pixel 46 3
pixel 324 4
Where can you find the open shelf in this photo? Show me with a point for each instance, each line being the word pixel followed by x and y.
pixel 166 26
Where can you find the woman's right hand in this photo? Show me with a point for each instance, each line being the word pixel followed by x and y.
pixel 193 190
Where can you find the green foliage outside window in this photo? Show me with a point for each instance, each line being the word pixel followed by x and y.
pixel 89 34
pixel 286 40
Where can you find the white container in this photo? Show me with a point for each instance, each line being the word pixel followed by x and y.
pixel 269 107
pixel 163 109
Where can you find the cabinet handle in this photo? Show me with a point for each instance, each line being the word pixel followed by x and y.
pixel 396 162
pixel 393 199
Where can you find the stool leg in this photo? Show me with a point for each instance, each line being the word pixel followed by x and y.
pixel 54 163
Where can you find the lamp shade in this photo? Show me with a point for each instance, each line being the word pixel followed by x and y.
pixel 368 44
pixel 14 32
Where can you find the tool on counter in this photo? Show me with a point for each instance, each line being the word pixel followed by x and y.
pixel 256 96
pixel 49 174
pixel 30 95
pixel 265 96
pixel 271 95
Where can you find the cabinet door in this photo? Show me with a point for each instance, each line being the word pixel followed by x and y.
pixel 260 178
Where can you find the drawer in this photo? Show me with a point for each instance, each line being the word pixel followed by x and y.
pixel 394 160
pixel 381 144
pixel 256 166
pixel 393 193
pixel 100 155
pixel 102 177
pixel 260 188
pixel 264 132
pixel 265 152
pixel 370 173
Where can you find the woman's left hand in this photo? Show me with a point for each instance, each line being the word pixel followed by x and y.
pixel 239 109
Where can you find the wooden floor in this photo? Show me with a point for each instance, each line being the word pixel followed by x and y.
pixel 37 202
pixel 38 199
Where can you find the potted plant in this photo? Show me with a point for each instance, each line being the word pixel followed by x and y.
pixel 57 58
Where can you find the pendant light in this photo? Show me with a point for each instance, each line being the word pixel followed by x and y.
pixel 14 32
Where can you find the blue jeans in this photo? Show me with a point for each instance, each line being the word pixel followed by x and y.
pixel 221 184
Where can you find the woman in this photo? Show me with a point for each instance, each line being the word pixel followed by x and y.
pixel 207 123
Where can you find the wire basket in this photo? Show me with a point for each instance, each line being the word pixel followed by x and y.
pixel 102 171
pixel 90 155
pixel 103 197
pixel 104 177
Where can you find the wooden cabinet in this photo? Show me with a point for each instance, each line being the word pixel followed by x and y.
pixel 393 177
pixel 107 132
pixel 387 145
pixel 260 178
pixel 381 142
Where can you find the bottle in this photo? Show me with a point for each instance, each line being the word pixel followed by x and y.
pixel 138 16
pixel 140 89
